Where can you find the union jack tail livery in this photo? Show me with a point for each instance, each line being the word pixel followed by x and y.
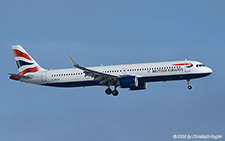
pixel 25 63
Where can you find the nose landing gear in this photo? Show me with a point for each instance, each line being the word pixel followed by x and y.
pixel 189 86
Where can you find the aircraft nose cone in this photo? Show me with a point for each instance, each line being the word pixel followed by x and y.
pixel 209 70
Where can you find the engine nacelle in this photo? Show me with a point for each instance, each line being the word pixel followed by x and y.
pixel 141 86
pixel 129 82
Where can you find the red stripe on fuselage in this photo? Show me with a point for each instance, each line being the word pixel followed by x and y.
pixel 34 69
pixel 18 53
pixel 183 64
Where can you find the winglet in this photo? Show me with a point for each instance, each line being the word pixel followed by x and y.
pixel 75 63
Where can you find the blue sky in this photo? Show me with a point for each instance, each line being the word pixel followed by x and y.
pixel 112 32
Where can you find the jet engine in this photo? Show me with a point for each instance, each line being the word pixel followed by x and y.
pixel 141 86
pixel 128 82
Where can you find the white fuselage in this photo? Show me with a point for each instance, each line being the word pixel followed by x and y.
pixel 146 72
pixel 133 76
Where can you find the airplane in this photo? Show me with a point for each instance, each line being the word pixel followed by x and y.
pixel 131 76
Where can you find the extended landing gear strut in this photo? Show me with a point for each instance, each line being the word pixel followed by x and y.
pixel 109 91
pixel 189 86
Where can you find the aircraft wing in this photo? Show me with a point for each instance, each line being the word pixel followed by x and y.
pixel 105 79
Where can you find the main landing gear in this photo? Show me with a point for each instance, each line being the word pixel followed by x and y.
pixel 189 86
pixel 108 91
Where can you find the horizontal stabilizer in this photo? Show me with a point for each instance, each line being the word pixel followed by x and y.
pixel 18 77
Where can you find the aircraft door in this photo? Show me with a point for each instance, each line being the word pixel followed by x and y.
pixel 188 66
pixel 44 76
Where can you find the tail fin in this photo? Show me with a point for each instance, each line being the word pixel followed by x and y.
pixel 25 63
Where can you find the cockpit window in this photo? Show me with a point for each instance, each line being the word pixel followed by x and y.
pixel 200 65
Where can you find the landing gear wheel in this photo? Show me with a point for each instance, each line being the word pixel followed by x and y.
pixel 115 92
pixel 108 91
pixel 189 87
